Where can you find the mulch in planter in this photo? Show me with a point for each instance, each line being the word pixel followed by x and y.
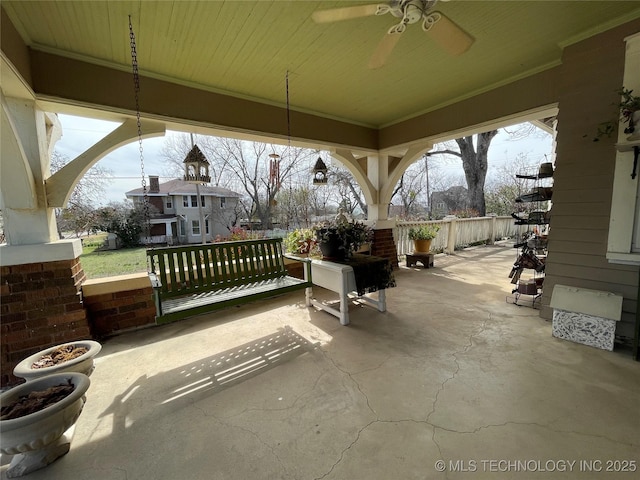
pixel 36 401
pixel 59 355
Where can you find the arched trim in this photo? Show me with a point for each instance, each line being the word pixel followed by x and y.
pixel 408 158
pixel 61 184
pixel 351 163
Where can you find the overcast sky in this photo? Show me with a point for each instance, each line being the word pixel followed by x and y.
pixel 78 134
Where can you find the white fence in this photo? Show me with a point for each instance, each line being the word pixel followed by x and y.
pixel 457 232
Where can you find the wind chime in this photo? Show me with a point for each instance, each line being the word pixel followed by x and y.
pixel 274 171
pixel 274 175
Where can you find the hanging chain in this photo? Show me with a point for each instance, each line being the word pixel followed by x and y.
pixel 288 111
pixel 289 136
pixel 136 90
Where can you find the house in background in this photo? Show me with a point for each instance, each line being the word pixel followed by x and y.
pixel 175 212
pixel 448 201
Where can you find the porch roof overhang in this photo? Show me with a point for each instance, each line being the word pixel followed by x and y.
pixel 229 78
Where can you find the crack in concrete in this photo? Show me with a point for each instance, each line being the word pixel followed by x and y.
pixel 457 370
pixel 293 404
pixel 355 382
pixel 532 424
pixel 360 431
pixel 250 432
pixel 350 375
pixel 447 380
pixel 344 451
pixel 427 421
pixel 378 420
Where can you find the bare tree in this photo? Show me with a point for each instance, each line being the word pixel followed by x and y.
pixel 506 186
pixel 78 215
pixel 413 189
pixel 91 188
pixel 474 163
pixel 474 150
pixel 259 175
pixel 409 190
pixel 349 194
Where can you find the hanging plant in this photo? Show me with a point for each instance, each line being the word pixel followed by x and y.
pixel 629 108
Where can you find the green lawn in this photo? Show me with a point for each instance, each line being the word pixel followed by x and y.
pixel 106 263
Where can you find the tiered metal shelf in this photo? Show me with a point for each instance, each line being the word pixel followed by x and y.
pixel 532 252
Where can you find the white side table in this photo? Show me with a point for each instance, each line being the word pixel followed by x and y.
pixel 339 278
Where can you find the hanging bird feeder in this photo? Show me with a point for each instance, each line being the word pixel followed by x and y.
pixel 320 173
pixel 196 167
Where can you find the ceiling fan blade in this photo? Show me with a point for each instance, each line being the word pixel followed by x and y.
pixel 445 32
pixel 344 13
pixel 384 49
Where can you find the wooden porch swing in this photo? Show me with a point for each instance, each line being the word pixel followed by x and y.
pixel 195 279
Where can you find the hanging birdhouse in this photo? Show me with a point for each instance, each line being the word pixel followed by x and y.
pixel 320 173
pixel 196 167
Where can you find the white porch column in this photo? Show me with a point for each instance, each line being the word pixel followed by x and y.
pixel 378 175
pixel 28 136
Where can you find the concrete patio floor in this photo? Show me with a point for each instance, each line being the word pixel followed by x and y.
pixel 273 390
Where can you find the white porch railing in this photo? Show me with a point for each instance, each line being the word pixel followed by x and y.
pixel 159 240
pixel 457 232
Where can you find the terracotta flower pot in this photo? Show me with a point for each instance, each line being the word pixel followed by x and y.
pixel 422 246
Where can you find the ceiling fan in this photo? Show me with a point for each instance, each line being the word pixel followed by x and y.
pixel 444 31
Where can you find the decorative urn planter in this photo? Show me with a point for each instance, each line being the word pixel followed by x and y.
pixel 331 245
pixel 82 363
pixel 422 246
pixel 39 438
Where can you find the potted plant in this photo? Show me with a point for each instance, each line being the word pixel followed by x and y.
pixel 300 241
pixel 422 237
pixel 339 238
pixel 630 112
pixel 36 420
pixel 71 357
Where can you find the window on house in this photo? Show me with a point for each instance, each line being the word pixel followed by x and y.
pixel 195 227
pixel 222 202
pixel 182 227
pixel 192 201
pixel 169 203
pixel 206 227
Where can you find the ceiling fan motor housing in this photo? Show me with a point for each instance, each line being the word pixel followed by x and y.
pixel 411 11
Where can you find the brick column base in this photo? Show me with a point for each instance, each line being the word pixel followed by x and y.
pixel 385 246
pixel 41 307
pixel 118 312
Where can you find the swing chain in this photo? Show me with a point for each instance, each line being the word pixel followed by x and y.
pixel 136 90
